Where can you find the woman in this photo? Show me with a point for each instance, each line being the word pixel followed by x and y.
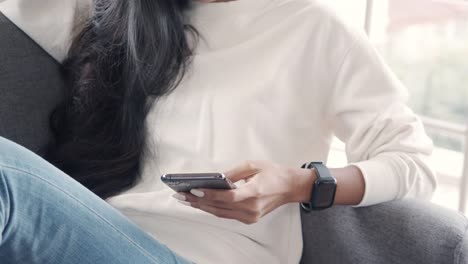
pixel 161 86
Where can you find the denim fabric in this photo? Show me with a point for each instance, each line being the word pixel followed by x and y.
pixel 47 217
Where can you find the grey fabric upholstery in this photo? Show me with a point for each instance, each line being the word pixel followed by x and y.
pixel 406 231
pixel 30 86
pixel 398 232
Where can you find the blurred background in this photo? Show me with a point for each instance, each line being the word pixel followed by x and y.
pixel 425 42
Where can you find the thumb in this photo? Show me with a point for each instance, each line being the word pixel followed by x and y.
pixel 246 170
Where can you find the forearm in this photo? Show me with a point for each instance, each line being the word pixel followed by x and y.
pixel 350 185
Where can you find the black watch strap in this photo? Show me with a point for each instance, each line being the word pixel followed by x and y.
pixel 323 190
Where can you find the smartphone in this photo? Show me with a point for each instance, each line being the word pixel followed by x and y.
pixel 184 182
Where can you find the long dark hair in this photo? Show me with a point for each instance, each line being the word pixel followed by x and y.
pixel 128 54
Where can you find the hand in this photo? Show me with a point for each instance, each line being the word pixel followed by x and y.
pixel 268 186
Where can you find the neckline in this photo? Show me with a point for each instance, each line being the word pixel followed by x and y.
pixel 224 24
pixel 231 8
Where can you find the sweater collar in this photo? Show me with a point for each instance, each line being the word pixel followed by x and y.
pixel 232 6
pixel 223 10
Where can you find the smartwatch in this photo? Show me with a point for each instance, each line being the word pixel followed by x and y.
pixel 323 190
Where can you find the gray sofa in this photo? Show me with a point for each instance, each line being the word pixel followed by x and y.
pixel 406 231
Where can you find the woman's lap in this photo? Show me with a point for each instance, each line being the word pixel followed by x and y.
pixel 47 217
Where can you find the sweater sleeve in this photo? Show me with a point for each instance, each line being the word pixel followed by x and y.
pixel 50 23
pixel 383 137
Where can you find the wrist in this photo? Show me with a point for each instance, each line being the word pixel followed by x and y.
pixel 303 180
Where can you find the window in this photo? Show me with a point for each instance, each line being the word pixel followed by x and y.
pixel 425 42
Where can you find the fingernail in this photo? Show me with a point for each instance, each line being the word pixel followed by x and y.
pixel 197 193
pixel 179 197
pixel 184 203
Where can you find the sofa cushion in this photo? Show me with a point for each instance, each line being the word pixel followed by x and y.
pixel 30 86
pixel 407 231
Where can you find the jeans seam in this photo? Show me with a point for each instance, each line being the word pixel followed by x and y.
pixel 5 219
pixel 145 252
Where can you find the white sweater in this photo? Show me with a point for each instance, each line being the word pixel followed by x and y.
pixel 271 80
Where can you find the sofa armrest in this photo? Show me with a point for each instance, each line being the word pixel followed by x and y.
pixel 407 231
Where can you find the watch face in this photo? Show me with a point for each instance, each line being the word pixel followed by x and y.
pixel 324 194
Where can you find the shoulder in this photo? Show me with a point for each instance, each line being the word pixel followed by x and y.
pixel 50 23
pixel 328 36
pixel 318 19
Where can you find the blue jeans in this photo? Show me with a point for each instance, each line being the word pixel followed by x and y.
pixel 47 217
